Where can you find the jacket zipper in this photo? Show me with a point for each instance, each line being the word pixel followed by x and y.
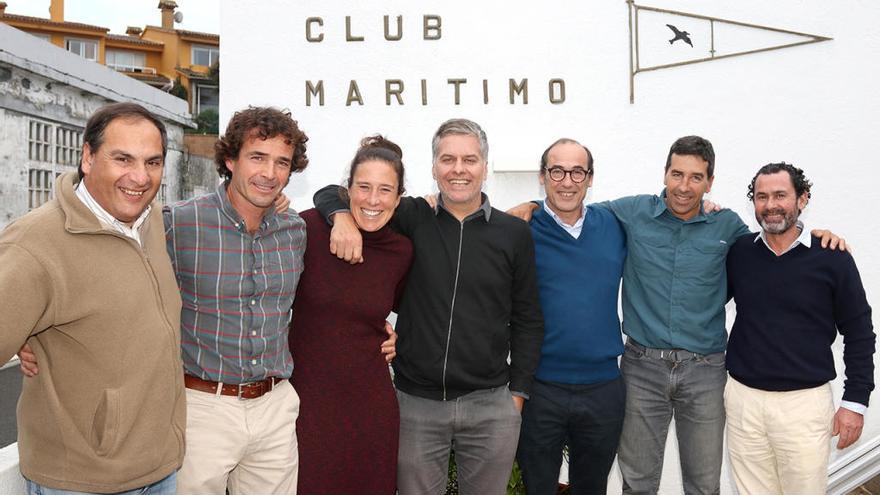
pixel 452 306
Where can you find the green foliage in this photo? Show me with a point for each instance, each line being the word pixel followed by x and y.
pixel 178 90
pixel 208 122
pixel 514 487
pixel 214 73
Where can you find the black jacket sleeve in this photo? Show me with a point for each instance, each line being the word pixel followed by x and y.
pixel 526 320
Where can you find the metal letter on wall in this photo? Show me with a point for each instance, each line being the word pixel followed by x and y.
pixel 682 35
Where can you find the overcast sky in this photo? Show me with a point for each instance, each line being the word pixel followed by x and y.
pixel 198 15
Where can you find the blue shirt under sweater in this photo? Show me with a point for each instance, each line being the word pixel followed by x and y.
pixel 789 310
pixel 578 282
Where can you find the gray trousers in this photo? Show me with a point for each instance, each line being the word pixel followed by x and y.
pixel 683 386
pixel 482 427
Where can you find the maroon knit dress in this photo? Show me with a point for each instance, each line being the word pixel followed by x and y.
pixel 349 422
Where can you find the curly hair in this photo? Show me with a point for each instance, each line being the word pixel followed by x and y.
pixel 798 179
pixel 264 123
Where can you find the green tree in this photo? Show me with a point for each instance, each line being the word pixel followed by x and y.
pixel 208 122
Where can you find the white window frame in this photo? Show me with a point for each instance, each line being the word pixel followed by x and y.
pixel 52 150
pixel 68 146
pixel 135 66
pixel 83 42
pixel 40 142
pixel 213 54
pixel 197 93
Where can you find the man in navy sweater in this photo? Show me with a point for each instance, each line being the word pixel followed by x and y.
pixel 792 298
pixel 578 396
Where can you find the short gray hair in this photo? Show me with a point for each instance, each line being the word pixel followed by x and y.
pixel 461 126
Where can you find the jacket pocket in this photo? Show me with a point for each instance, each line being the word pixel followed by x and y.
pixel 105 424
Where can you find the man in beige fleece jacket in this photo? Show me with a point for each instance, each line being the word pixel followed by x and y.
pixel 85 279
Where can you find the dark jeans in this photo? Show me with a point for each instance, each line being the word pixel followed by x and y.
pixel 588 418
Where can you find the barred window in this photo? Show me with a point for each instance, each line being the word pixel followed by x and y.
pixel 39 187
pixel 68 143
pixel 39 141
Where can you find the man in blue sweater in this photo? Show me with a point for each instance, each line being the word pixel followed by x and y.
pixel 792 298
pixel 578 396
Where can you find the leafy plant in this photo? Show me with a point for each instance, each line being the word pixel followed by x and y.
pixel 208 122
pixel 515 485
pixel 178 90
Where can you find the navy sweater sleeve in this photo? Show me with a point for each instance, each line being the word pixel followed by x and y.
pixel 852 314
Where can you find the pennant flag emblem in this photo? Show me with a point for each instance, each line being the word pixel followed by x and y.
pixel 663 39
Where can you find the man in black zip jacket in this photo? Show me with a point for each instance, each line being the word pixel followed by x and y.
pixel 471 299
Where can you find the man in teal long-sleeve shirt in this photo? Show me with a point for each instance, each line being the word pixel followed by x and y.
pixel 674 291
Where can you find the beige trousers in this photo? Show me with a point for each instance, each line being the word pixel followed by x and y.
pixel 247 445
pixel 779 442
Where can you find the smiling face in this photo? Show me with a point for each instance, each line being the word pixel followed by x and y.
pixel 260 171
pixel 460 170
pixel 777 205
pixel 124 173
pixel 373 194
pixel 686 181
pixel 566 197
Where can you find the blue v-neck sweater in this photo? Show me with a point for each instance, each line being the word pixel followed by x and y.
pixel 578 284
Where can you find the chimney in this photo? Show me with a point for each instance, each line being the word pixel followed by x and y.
pixel 2 9
pixel 133 31
pixel 56 11
pixel 167 7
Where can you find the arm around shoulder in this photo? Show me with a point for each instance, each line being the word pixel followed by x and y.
pixel 26 292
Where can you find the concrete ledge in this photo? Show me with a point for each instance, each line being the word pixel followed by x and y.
pixel 848 472
pixel 11 482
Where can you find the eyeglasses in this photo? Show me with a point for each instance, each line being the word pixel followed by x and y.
pixel 577 174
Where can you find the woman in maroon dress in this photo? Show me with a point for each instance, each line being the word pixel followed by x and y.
pixel 349 420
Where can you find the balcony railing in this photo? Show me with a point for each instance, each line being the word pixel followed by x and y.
pixel 132 68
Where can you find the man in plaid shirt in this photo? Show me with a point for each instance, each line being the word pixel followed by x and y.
pixel 238 262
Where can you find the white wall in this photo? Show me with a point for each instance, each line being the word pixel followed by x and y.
pixel 815 105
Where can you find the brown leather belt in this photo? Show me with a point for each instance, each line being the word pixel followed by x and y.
pixel 250 390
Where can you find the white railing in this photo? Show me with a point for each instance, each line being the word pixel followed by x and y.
pixel 11 482
pixel 132 68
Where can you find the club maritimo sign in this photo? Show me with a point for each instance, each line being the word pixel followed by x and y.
pixel 421 91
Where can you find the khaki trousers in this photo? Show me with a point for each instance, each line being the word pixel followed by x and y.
pixel 247 445
pixel 779 442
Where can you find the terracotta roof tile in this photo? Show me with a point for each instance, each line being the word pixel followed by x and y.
pixel 10 18
pixel 134 40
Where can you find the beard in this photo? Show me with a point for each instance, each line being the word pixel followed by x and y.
pixel 789 219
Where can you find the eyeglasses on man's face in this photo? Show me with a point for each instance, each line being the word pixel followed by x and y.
pixel 577 174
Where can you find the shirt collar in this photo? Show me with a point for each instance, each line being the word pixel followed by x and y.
pixel 805 238
pixel 661 206
pixel 485 208
pixel 229 210
pixel 554 216
pixel 106 219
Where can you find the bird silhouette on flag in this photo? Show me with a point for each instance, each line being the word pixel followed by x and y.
pixel 680 35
